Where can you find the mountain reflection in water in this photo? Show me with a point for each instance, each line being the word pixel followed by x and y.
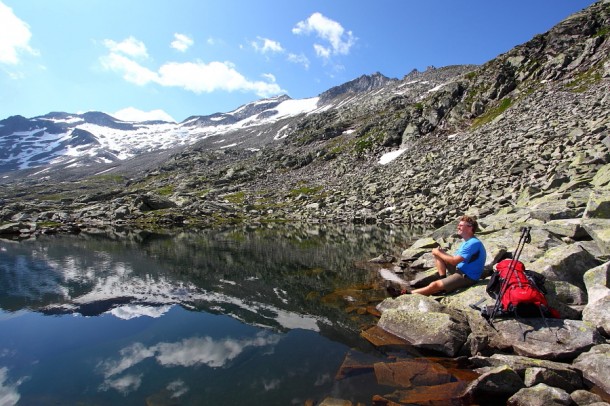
pixel 238 316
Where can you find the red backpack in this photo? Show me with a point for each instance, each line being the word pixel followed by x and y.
pixel 519 292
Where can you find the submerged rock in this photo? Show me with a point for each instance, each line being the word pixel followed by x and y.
pixel 494 386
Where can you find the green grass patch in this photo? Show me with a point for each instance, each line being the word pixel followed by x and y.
pixel 305 190
pixel 49 224
pixel 493 113
pixel 583 81
pixel 363 145
pixel 166 190
pixel 236 198
pixel 368 141
pixel 52 197
pixel 604 31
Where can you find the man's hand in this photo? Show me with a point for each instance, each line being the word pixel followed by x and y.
pixel 438 251
pixel 446 258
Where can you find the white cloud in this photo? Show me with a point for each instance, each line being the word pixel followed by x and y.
pixel 340 41
pixel 266 45
pixel 15 37
pixel 200 77
pixel 299 59
pixel 131 47
pixel 322 51
pixel 181 42
pixel 197 77
pixel 269 76
pixel 133 114
pixel 131 70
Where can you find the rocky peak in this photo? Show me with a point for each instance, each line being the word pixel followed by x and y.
pixel 247 110
pixel 105 120
pixel 362 84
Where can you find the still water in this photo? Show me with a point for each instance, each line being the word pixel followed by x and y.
pixel 244 316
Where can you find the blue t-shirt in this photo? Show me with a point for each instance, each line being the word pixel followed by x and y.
pixel 474 255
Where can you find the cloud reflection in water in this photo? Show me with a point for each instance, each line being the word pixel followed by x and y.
pixel 9 396
pixel 188 352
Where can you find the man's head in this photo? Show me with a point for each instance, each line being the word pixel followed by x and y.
pixel 467 226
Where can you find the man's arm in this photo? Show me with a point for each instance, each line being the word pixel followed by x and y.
pixel 446 258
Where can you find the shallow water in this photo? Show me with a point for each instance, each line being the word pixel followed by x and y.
pixel 239 316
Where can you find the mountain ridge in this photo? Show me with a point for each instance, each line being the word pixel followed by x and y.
pixel 50 144
pixel 448 131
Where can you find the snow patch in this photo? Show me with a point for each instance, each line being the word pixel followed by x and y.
pixel 390 156
pixel 133 114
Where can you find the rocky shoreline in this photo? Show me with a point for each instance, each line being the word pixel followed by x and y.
pixel 520 361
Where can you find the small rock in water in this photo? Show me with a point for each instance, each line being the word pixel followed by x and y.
pixel 383 258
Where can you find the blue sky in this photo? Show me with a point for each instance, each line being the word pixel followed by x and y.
pixel 144 59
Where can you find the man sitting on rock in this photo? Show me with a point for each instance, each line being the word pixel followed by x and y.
pixel 465 267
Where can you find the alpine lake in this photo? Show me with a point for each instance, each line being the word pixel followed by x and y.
pixel 267 315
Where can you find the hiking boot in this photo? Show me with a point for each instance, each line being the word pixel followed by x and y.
pixel 394 292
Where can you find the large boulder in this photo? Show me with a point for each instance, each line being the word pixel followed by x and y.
pixel 482 336
pixel 566 298
pixel 502 221
pixel 151 201
pixel 566 263
pixel 537 375
pixel 597 312
pixel 554 209
pixel 494 386
pixel 595 366
pixel 599 230
pixel 507 241
pixel 598 205
pixel 424 323
pixel 464 299
pixel 540 395
pixel 533 371
pixel 571 228
pixel 601 180
pixel 10 228
pixel 583 397
pixel 547 338
pixel 418 248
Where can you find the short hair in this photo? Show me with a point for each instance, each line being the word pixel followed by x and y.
pixel 472 222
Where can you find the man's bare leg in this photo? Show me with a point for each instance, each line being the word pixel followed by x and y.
pixel 431 289
pixel 441 267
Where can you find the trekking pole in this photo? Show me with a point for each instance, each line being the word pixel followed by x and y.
pixel 526 237
pixel 523 239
